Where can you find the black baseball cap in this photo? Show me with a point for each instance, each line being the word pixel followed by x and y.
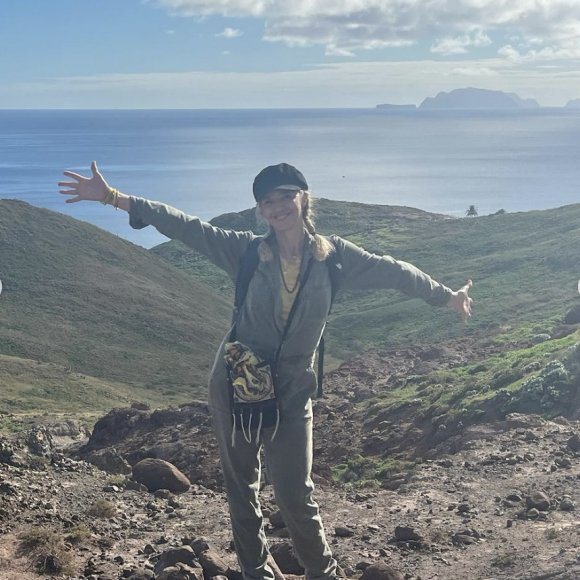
pixel 278 177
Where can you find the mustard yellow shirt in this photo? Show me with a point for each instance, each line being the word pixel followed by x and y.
pixel 290 270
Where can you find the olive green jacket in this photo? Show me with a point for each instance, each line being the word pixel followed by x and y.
pixel 260 322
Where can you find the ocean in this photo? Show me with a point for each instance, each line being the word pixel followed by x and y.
pixel 204 161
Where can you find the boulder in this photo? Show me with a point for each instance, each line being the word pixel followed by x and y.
pixel 108 460
pixel 381 571
pixel 158 474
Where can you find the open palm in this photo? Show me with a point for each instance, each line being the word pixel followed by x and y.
pixel 93 188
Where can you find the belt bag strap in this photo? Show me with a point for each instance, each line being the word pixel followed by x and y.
pixel 303 280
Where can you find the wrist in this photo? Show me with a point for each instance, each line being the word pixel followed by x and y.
pixel 110 196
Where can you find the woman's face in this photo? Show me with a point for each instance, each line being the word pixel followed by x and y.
pixel 282 209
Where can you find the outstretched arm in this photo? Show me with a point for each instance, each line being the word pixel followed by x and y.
pixel 223 247
pixel 363 270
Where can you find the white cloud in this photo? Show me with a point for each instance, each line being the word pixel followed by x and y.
pixel 474 71
pixel 459 44
pixel 230 33
pixel 351 25
pixel 170 32
pixel 226 52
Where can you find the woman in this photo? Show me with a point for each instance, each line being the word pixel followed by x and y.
pixel 291 273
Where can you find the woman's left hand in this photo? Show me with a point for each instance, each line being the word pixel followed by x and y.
pixel 461 301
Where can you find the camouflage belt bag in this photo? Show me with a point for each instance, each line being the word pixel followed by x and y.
pixel 253 391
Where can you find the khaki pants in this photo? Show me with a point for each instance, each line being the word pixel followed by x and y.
pixel 289 462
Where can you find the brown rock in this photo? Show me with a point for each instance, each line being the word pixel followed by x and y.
pixel 406 534
pixel 381 571
pixel 212 563
pixel 343 532
pixel 538 500
pixel 158 474
pixel 284 556
pixel 181 555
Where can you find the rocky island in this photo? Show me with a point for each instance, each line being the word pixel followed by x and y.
pixel 471 98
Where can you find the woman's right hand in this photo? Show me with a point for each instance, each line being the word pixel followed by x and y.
pixel 93 188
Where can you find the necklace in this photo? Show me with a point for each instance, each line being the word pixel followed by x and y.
pixel 290 291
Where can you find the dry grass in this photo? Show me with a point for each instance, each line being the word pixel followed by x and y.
pixel 102 509
pixel 47 551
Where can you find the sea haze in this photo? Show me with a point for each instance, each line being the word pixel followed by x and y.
pixel 204 161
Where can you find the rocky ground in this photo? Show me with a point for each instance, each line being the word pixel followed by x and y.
pixel 493 501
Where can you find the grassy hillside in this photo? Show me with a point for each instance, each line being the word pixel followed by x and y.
pixel 29 386
pixel 83 299
pixel 525 268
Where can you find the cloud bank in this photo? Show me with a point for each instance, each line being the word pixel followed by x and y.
pixel 546 29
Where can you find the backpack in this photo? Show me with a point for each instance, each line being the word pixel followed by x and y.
pixel 249 264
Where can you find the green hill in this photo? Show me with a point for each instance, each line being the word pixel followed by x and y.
pixel 525 268
pixel 83 299
pixel 30 386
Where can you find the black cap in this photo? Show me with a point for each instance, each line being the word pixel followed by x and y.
pixel 276 176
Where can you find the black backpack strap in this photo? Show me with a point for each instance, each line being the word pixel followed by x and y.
pixel 334 264
pixel 248 265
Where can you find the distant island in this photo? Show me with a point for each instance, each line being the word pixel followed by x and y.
pixel 471 98
pixel 398 107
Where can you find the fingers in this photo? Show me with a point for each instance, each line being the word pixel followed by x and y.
pixel 94 169
pixel 67 184
pixel 74 176
pixel 72 200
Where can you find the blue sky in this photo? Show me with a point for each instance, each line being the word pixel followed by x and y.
pixel 274 53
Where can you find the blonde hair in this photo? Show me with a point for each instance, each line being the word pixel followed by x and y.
pixel 322 246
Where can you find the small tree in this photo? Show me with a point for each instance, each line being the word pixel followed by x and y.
pixel 471 212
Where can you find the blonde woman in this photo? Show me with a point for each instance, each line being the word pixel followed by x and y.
pixel 270 350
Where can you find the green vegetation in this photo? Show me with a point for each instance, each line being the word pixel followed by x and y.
pixel 362 472
pixel 78 535
pixel 540 379
pixel 110 316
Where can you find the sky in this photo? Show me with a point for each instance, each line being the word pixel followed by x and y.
pixel 181 54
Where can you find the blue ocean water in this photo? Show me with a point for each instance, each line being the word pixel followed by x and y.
pixel 204 161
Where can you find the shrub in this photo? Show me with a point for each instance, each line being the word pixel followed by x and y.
pixel 102 509
pixel 47 551
pixel 78 535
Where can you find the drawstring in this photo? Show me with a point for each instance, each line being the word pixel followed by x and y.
pixel 234 431
pixel 277 423
pixel 259 426
pixel 248 435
